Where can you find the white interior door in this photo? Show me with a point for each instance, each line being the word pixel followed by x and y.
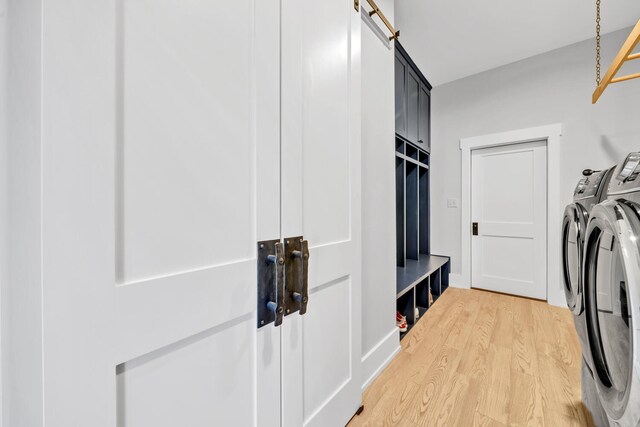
pixel 321 201
pixel 509 206
pixel 153 112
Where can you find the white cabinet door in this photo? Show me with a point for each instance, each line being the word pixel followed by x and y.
pixel 152 115
pixel 321 201
pixel 509 206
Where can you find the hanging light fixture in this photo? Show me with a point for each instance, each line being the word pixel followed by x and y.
pixel 625 54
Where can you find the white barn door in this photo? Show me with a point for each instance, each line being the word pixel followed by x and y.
pixel 152 183
pixel 321 201
pixel 176 135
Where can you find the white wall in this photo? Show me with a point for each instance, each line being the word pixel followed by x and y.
pixel 3 167
pixel 380 340
pixel 554 87
pixel 21 296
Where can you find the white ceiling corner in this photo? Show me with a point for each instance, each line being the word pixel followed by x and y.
pixel 452 39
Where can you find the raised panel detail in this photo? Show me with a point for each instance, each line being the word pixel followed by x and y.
pixel 508 180
pixel 327 344
pixel 199 381
pixel 502 263
pixel 326 127
pixel 401 95
pixel 184 115
pixel 413 107
pixel 424 118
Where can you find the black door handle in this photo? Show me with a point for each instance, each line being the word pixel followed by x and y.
pixel 271 263
pixel 296 275
pixel 305 277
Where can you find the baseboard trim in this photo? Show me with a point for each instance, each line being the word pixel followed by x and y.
pixel 558 301
pixel 379 357
pixel 455 281
pixel 553 298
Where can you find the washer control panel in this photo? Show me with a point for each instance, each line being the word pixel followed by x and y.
pixel 626 175
pixel 589 185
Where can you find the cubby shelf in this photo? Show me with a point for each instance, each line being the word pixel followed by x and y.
pixel 413 282
pixel 420 274
pixel 418 271
pixel 412 202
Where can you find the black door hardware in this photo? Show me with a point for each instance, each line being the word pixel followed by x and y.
pixel 475 228
pixel 271 263
pixel 296 251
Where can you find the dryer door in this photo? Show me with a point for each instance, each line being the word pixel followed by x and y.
pixel 612 296
pixel 574 228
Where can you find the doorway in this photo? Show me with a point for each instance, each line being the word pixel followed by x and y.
pixel 552 134
pixel 509 224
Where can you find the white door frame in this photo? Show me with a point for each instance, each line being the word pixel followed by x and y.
pixel 552 134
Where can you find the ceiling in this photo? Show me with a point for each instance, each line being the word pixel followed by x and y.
pixel 451 39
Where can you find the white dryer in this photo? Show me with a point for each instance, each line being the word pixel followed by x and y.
pixel 611 278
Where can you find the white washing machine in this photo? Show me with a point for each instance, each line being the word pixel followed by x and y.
pixel 590 191
pixel 611 279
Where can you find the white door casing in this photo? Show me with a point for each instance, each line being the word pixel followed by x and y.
pixel 150 210
pixel 509 204
pixel 553 135
pixel 321 201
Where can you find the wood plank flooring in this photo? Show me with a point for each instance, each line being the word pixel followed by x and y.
pixel 482 359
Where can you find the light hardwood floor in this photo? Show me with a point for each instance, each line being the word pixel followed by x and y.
pixel 482 359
